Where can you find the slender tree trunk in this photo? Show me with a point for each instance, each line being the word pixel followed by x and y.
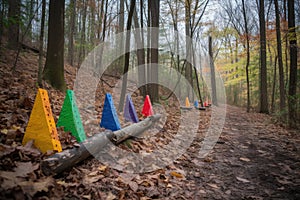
pixel 212 72
pixel 41 45
pixel 71 32
pixel 2 7
pixel 286 43
pixel 54 67
pixel 293 65
pixel 14 23
pixel 263 60
pixel 188 69
pixel 148 73
pixel 248 56
pixel 83 34
pixel 140 54
pixel 93 22
pixel 154 9
pixel 274 86
pixel 280 63
pixel 121 29
pixel 127 55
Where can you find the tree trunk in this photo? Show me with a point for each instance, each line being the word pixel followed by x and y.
pixel 59 162
pixel 293 65
pixel 127 55
pixel 41 45
pixel 14 23
pixel 263 60
pixel 212 72
pixel 140 54
pixel 280 63
pixel 92 23
pixel 54 67
pixel 248 56
pixel 71 32
pixel 188 69
pixel 154 10
pixel 83 34
pixel 274 86
pixel 2 7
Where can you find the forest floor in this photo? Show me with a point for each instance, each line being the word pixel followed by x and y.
pixel 254 158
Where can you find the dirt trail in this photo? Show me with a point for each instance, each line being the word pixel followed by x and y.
pixel 254 159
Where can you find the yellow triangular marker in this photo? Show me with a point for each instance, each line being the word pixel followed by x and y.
pixel 41 126
pixel 187 102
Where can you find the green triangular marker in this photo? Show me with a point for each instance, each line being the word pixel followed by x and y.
pixel 70 119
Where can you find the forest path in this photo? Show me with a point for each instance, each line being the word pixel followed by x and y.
pixel 254 159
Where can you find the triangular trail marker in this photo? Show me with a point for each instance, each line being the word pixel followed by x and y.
pixel 41 126
pixel 109 118
pixel 187 102
pixel 147 108
pixel 70 119
pixel 196 104
pixel 129 110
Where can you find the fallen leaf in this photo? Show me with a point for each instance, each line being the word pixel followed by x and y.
pixel 25 168
pixel 110 196
pixel 176 174
pixel 245 159
pixel 4 131
pixel 133 185
pixel 6 150
pixel 32 188
pixel 213 185
pixel 92 178
pixel 102 168
pixel 242 180
pixel 29 149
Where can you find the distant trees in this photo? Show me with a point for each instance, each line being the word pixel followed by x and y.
pixel 241 37
pixel 54 66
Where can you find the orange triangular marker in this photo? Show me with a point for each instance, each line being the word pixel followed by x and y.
pixel 147 108
pixel 41 126
pixel 187 102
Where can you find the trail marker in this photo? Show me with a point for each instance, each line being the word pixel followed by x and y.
pixel 129 110
pixel 147 108
pixel 196 104
pixel 41 126
pixel 70 119
pixel 187 102
pixel 109 118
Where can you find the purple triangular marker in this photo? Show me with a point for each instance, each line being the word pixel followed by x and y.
pixel 129 110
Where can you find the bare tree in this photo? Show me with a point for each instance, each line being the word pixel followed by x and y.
pixel 54 67
pixel 127 55
pixel 263 60
pixel 280 63
pixel 14 23
pixel 293 64
pixel 41 45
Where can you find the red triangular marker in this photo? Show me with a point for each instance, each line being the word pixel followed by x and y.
pixel 147 108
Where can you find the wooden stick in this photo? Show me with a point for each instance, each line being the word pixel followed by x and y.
pixel 59 162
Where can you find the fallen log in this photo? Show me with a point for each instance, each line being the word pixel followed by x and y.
pixel 59 162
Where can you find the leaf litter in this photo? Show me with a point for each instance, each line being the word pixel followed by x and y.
pixel 254 158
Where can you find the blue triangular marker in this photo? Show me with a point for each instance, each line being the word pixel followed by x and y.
pixel 196 104
pixel 129 111
pixel 109 115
